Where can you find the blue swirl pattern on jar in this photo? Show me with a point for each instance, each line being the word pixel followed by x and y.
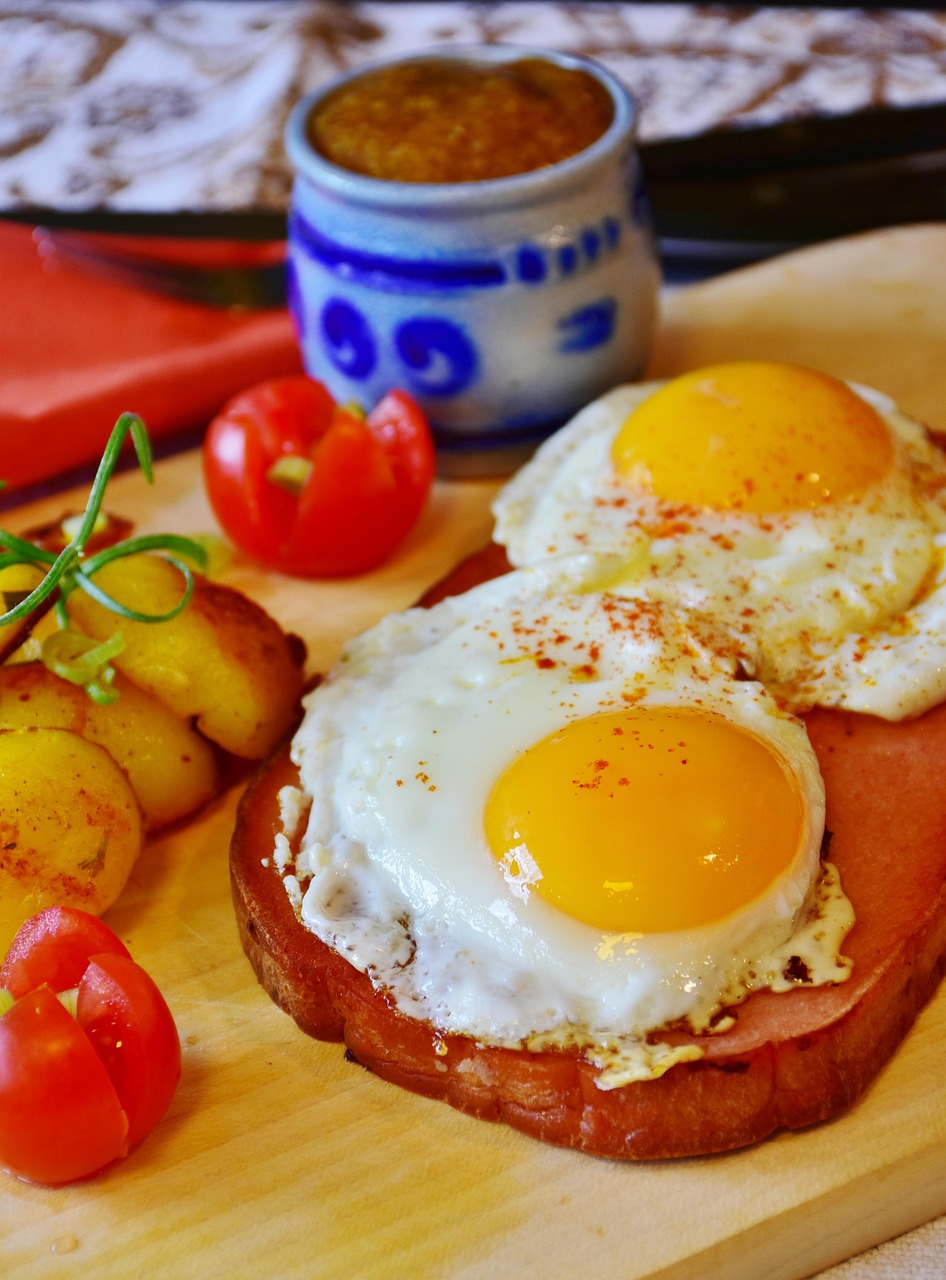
pixel 503 306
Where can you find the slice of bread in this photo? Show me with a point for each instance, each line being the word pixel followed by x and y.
pixel 788 1060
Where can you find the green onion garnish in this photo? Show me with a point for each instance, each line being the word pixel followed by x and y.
pixel 78 658
pixel 81 660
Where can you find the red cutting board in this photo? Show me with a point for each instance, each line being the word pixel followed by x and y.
pixel 279 1158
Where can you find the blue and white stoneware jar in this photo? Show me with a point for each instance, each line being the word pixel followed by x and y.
pixel 503 305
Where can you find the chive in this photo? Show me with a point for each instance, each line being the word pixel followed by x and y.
pixel 72 570
pixel 81 660
pixel 290 472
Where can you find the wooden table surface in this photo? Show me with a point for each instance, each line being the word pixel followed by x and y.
pixel 279 1158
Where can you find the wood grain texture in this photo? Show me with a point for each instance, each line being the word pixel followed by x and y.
pixel 279 1158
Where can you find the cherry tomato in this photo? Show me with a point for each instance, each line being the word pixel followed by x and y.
pixel 52 948
pixel 313 489
pixel 60 1117
pixel 77 1092
pixel 130 1027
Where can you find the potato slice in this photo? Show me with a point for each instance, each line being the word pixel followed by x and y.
pixel 173 770
pixel 223 660
pixel 16 581
pixel 70 826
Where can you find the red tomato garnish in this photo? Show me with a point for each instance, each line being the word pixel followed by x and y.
pixel 78 1092
pixel 313 489
pixel 60 1117
pixel 52 948
pixel 130 1027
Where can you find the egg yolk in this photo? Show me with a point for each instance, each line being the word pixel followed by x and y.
pixel 647 819
pixel 754 436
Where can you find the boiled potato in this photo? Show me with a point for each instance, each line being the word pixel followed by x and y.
pixel 173 770
pixel 16 581
pixel 70 826
pixel 223 660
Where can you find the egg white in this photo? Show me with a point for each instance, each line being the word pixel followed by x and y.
pixel 806 596
pixel 399 749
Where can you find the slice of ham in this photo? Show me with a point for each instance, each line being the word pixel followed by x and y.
pixel 788 1061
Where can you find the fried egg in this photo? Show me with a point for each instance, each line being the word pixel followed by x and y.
pixel 542 816
pixel 807 515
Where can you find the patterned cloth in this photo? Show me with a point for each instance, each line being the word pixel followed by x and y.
pixel 180 104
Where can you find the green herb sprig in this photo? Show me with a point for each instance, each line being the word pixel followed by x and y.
pixel 71 655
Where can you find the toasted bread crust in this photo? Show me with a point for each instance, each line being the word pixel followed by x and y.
pixel 789 1061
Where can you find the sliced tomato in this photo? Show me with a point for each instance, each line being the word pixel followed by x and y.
pixel 53 947
pixel 60 1117
pixel 78 1092
pixel 313 489
pixel 128 1023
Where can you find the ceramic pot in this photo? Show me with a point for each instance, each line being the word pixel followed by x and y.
pixel 503 305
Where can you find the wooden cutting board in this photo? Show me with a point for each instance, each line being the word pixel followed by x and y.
pixel 279 1158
